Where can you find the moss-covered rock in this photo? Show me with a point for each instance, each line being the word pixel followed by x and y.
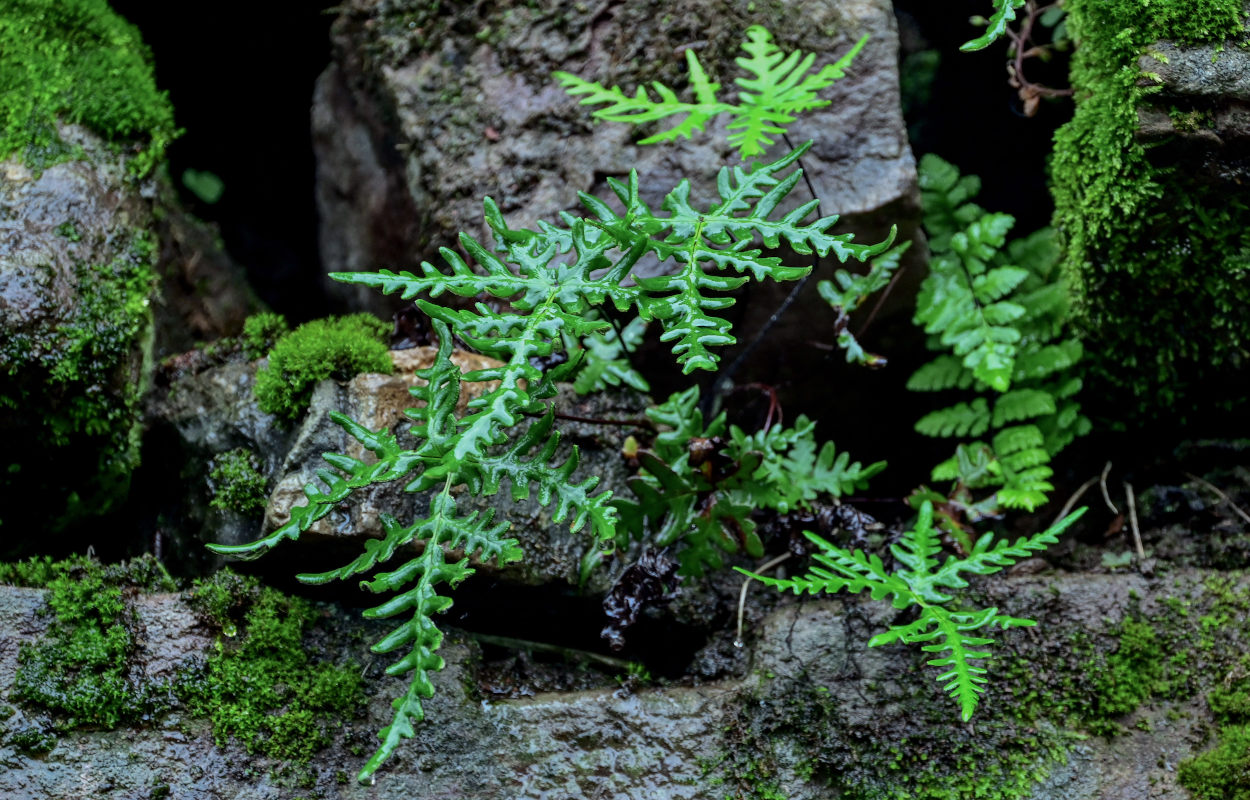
pixel 76 61
pixel 260 686
pixel 83 669
pixel 1158 252
pixel 336 347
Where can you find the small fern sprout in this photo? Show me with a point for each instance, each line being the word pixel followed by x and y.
pixel 780 87
pixel 943 628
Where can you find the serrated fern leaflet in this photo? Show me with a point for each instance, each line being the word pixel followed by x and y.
pixel 552 276
pixel 780 87
pixel 999 309
pixel 923 581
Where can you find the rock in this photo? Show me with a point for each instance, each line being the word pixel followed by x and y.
pixel 1201 111
pixel 77 285
pixel 427 111
pixel 204 292
pixel 99 272
pixel 819 715
pixel 212 411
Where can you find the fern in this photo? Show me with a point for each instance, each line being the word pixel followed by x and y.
pixel 999 309
pixel 440 457
pixel 996 25
pixel 605 362
pixel 705 510
pixel 922 582
pixel 847 291
pixel 780 87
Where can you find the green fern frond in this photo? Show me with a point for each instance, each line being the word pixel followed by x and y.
pixel 922 583
pixel 1021 404
pixel 605 363
pixel 641 108
pixel 942 373
pixel 961 419
pixel 681 415
pixel 707 513
pixel 780 88
pixel 996 26
pixel 847 291
pixel 418 636
pixel 1000 308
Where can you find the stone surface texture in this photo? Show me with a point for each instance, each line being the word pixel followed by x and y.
pixel 425 113
pixel 620 743
pixel 1200 114
pixel 208 412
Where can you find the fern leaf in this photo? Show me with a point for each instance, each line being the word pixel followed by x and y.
pixel 943 372
pixel 1022 404
pixel 1041 362
pixel 989 556
pixel 554 480
pixel 640 108
pixel 843 570
pixel 418 635
pixel 606 365
pixel 1004 13
pixel 718 237
pixel 961 419
pixel 781 87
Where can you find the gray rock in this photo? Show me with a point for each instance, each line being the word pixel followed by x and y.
pixel 426 111
pixel 209 412
pixel 76 291
pixel 99 274
pixel 1200 114
pixel 817 716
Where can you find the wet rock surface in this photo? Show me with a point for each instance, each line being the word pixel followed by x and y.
pixel 208 412
pixel 810 676
pixel 1201 110
pixel 426 112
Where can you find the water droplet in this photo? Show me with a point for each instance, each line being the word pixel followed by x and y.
pixel 229 630
pixel 738 643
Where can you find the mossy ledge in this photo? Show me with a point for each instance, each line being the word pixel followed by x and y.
pixel 1159 259
pixel 259 685
pixel 335 347
pixel 1086 681
pixel 77 61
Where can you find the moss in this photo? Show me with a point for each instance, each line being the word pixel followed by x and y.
pixel 263 688
pixel 82 669
pixel 1222 773
pixel 32 738
pixel 261 332
pixel 1158 261
pixel 77 61
pixel 336 347
pixel 77 395
pixel 237 483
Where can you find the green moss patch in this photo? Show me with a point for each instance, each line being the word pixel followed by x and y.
pixel 261 332
pixel 82 669
pixel 237 483
pixel 336 347
pixel 77 61
pixel 261 687
pixel 1160 262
